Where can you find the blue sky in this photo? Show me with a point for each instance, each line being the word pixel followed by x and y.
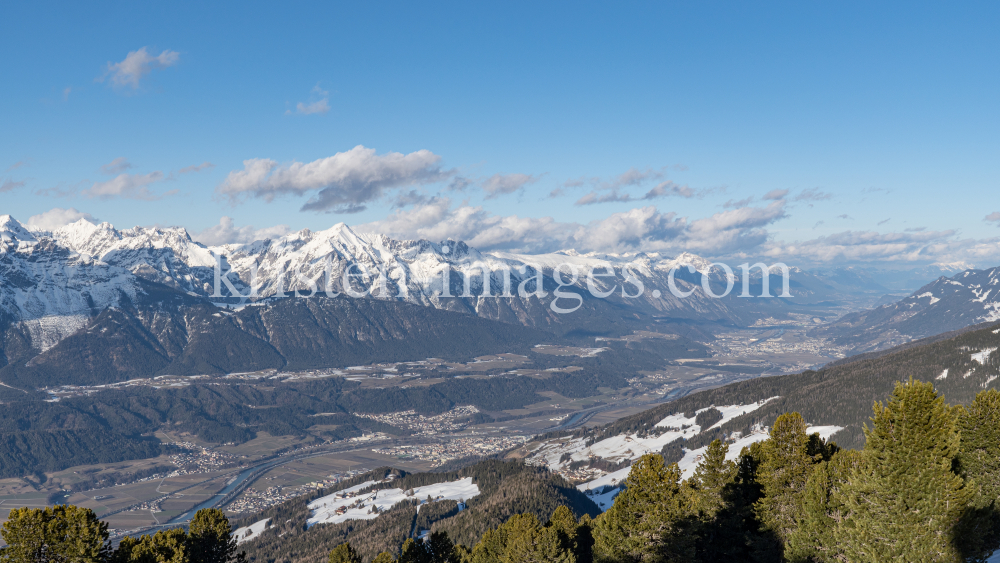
pixel 872 127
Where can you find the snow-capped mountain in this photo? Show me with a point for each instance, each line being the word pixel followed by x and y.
pixel 965 299
pixel 420 272
pixel 56 280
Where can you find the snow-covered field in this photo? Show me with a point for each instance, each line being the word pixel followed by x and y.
pixel 691 460
pixel 631 446
pixel 250 532
pixel 324 509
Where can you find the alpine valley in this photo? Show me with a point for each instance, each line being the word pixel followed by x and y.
pixel 145 375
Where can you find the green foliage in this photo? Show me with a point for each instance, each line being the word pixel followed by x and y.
pixel 979 463
pixel 165 546
pixel 209 537
pixel 344 553
pixel 783 473
pixel 649 520
pixel 58 533
pixel 522 539
pixel 904 500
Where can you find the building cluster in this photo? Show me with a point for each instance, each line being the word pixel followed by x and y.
pixel 454 420
pixel 457 448
pixel 195 459
pixel 253 500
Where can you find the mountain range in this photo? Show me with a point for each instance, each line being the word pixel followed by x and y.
pixel 142 291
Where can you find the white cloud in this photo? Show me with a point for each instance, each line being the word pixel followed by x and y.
pixel 812 194
pixel 196 168
pixel 16 165
pixel 138 64
pixel 226 232
pixel 776 194
pixel 868 246
pixel 631 230
pixel 663 189
pixel 9 185
pixel 127 186
pixel 320 106
pixel 643 228
pixel 343 182
pixel 318 103
pixel 993 217
pixel 116 166
pixel 57 217
pixel 502 184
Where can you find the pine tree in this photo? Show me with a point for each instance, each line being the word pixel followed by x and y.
pixel 904 500
pixel 712 477
pixel 650 520
pixel 384 557
pixel 165 546
pixel 344 553
pixel 566 527
pixel 822 507
pixel 210 538
pixel 522 539
pixel 412 552
pixel 979 463
pixel 783 473
pixel 58 533
pixel 711 491
pixel 441 548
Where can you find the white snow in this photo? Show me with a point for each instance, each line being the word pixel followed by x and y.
pixel 691 460
pixel 944 374
pixel 931 295
pixel 733 411
pixel 250 532
pixel 983 355
pixel 989 380
pixel 632 446
pixel 603 497
pixel 324 509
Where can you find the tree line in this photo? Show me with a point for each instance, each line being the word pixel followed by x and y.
pixel 924 488
pixel 71 534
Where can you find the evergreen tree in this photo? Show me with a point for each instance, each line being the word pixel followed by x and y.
pixel 785 468
pixel 441 549
pixel 58 533
pixel 822 508
pixel 165 546
pixel 904 500
pixel 650 520
pixel 720 510
pixel 344 553
pixel 565 525
pixel 384 557
pixel 711 480
pixel 521 539
pixel 210 538
pixel 979 463
pixel 413 552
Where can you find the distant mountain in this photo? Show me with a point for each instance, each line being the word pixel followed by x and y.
pixel 162 331
pixel 53 284
pixel 968 298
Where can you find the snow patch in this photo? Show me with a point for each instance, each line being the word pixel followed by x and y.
pixel 250 532
pixel 944 374
pixel 982 356
pixel 931 295
pixel 338 507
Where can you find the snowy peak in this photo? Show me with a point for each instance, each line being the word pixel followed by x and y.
pixel 13 231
